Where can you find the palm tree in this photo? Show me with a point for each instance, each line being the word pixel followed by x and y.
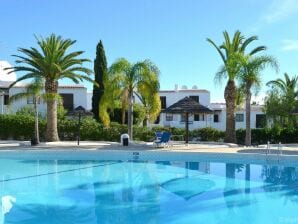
pixel 33 90
pixel 51 63
pixel 230 52
pixel 148 95
pixel 250 77
pixel 126 79
pixel 288 86
pixel 288 90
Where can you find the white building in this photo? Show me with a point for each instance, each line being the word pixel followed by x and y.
pixel 215 120
pixel 76 95
pixel 72 95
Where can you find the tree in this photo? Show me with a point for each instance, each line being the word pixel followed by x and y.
pixel 250 77
pixel 51 63
pixel 230 51
pixel 126 79
pixel 100 71
pixel 274 108
pixel 34 91
pixel 286 91
pixel 148 95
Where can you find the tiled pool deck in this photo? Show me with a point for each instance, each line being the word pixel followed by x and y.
pixel 287 149
pixel 89 150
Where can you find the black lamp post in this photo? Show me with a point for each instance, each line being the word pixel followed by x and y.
pixel 80 111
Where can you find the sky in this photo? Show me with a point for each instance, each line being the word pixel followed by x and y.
pixel 171 33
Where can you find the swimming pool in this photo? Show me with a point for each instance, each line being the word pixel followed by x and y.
pixel 160 191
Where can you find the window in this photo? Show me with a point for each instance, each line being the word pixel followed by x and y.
pixel 215 118
pixel 169 117
pixel 202 117
pixel 67 99
pixel 196 117
pixel 196 98
pixel 239 117
pixel 260 120
pixel 199 117
pixel 182 117
pixel 6 99
pixel 157 120
pixel 30 100
pixel 163 101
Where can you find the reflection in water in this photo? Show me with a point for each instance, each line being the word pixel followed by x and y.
pixel 281 179
pixel 134 197
pixel 236 197
pixel 189 186
pixel 144 192
pixel 6 205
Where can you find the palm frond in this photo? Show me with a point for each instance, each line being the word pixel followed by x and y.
pixel 51 61
pixel 218 50
pixel 257 49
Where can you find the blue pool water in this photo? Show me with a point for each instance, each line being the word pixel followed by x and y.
pixel 61 191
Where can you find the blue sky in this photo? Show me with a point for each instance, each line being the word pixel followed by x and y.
pixel 172 33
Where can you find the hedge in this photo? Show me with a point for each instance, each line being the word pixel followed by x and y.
pixel 18 127
pixel 274 135
pixel 21 127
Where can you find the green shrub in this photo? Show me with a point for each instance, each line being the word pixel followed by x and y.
pixel 67 129
pixel 207 134
pixel 21 127
pixel 263 135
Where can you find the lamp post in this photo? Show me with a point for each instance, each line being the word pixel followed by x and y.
pixel 2 101
pixel 80 111
pixel 79 127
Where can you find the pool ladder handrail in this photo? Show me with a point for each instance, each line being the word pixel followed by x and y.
pixel 279 150
pixel 268 151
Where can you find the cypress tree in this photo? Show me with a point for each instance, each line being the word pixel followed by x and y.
pixel 100 70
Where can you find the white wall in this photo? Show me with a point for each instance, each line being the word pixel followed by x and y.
pixel 1 104
pixel 89 101
pixel 79 95
pixel 204 96
pixel 174 96
pixel 79 98
pixel 209 121
pixel 16 105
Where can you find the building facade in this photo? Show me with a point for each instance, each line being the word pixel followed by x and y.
pixel 76 95
pixel 215 120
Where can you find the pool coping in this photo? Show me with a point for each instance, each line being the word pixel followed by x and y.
pixel 147 155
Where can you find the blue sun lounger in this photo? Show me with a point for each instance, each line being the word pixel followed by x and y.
pixel 164 140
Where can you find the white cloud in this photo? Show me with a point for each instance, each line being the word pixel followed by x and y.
pixel 290 45
pixel 279 10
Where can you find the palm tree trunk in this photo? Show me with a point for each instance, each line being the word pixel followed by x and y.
pixel 130 114
pixel 230 98
pixel 247 178
pixel 123 114
pixel 146 119
pixel 36 129
pixel 51 88
pixel 247 117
